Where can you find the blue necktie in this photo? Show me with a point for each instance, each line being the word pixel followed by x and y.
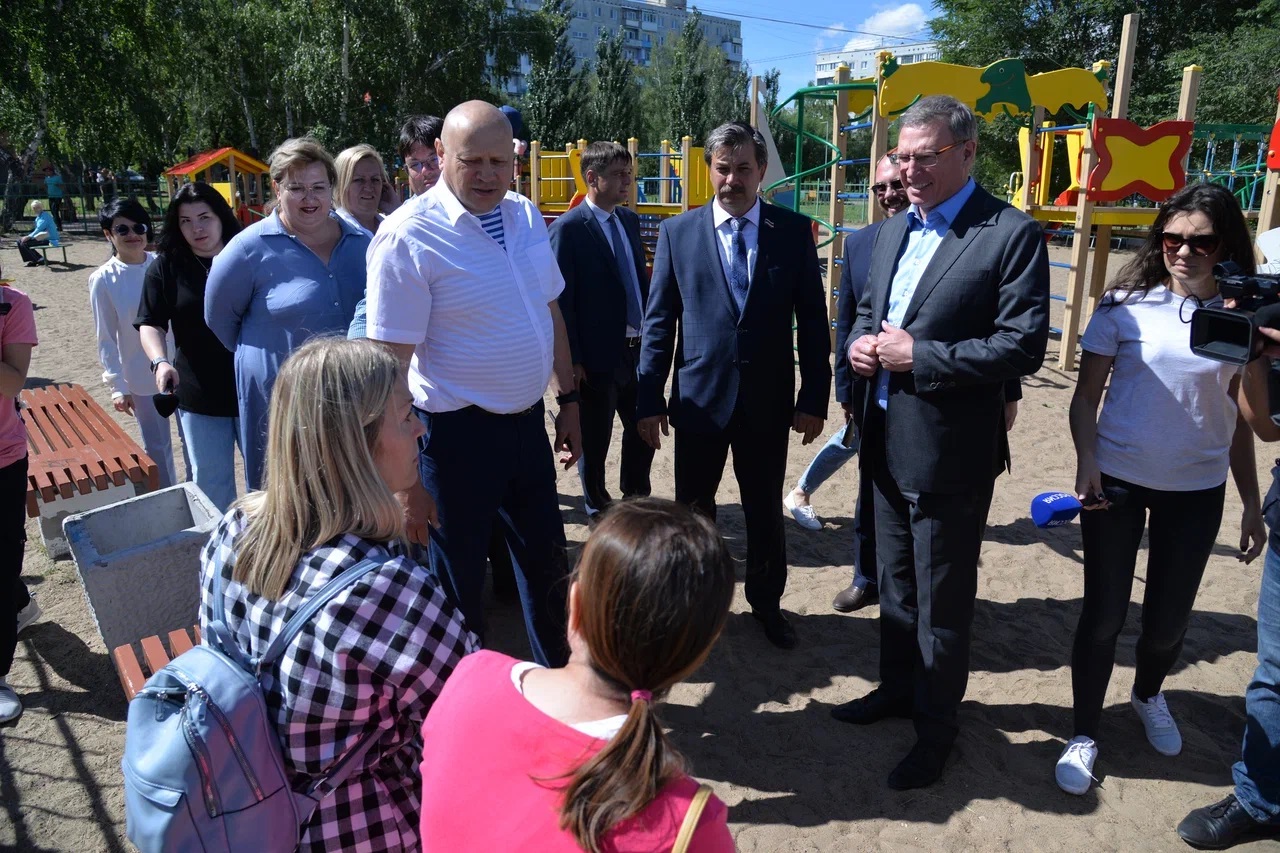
pixel 739 279
pixel 625 273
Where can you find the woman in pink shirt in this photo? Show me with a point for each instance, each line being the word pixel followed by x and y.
pixel 17 608
pixel 518 757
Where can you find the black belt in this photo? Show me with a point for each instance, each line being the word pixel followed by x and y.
pixel 633 342
pixel 535 407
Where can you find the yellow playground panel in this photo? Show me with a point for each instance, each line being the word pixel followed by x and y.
pixel 556 183
pixel 220 168
pixel 1001 88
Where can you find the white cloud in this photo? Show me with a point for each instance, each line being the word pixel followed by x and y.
pixel 897 21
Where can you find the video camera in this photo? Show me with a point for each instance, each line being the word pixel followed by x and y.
pixel 1227 334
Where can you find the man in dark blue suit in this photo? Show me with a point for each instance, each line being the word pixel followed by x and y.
pixel 606 282
pixel 728 278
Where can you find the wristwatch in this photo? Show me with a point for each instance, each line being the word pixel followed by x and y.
pixel 566 399
pixel 156 362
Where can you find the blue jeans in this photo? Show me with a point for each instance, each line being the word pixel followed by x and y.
pixel 830 459
pixel 210 443
pixel 1257 773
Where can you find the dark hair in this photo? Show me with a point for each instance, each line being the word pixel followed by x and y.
pixel 423 130
pixel 126 207
pixel 599 156
pixel 735 135
pixel 1147 268
pixel 171 240
pixel 654 586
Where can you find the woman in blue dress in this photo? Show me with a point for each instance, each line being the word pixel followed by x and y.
pixel 282 281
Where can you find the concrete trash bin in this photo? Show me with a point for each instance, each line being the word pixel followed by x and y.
pixel 139 561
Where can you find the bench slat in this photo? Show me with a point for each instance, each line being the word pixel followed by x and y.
pixel 180 642
pixel 155 654
pixel 130 672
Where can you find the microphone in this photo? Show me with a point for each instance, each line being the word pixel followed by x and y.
pixel 166 404
pixel 1054 509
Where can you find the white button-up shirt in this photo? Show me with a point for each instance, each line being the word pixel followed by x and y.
pixel 602 219
pixel 724 236
pixel 478 316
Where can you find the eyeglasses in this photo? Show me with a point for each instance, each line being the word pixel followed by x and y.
pixel 924 161
pixel 136 228
pixel 316 190
pixel 1201 245
pixel 881 189
pixel 419 165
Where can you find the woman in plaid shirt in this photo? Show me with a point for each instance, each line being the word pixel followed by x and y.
pixel 342 441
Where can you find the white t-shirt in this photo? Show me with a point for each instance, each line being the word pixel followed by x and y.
pixel 115 289
pixel 1167 419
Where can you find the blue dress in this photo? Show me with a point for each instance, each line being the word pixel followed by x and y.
pixel 267 295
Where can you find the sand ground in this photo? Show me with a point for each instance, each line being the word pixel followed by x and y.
pixel 754 720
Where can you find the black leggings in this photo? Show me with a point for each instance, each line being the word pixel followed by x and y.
pixel 1183 529
pixel 13 540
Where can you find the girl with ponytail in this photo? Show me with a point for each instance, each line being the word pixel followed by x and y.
pixel 518 757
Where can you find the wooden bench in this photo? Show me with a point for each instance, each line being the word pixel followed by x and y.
pixel 79 459
pixel 135 669
pixel 46 249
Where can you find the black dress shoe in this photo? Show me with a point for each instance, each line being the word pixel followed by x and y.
pixel 921 768
pixel 854 598
pixel 777 628
pixel 1223 825
pixel 875 706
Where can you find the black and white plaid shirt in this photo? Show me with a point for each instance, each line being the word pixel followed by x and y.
pixel 376 656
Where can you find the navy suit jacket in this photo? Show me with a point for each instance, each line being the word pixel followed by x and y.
pixel 725 359
pixel 594 302
pixel 980 318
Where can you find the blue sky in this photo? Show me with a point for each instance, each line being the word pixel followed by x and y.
pixel 800 29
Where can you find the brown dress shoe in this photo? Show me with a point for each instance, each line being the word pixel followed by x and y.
pixel 854 598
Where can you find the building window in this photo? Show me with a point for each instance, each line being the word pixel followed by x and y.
pixel 597 11
pixel 613 14
pixel 864 63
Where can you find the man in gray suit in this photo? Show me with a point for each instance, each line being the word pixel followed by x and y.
pixel 957 305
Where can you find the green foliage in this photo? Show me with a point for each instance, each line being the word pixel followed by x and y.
pixel 1236 48
pixel 615 93
pixel 553 105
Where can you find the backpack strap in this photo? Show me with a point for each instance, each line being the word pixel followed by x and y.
pixel 691 818
pixel 314 602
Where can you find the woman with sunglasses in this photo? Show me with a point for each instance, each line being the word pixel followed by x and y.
pixel 202 375
pixel 115 289
pixel 282 281
pixel 1157 459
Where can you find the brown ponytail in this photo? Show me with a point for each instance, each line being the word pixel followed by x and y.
pixel 654 586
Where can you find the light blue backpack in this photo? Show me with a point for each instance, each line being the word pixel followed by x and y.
pixel 203 766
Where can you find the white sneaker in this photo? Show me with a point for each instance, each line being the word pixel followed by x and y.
pixel 806 516
pixel 10 707
pixel 1075 766
pixel 1162 731
pixel 27 615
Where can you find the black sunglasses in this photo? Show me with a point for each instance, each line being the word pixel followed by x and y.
pixel 1202 245
pixel 881 189
pixel 136 228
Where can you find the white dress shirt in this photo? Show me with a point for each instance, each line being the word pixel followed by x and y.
pixel 115 289
pixel 724 234
pixel 478 315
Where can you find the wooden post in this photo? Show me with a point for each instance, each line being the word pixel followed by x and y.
pixel 231 179
pixel 1124 68
pixel 633 148
pixel 535 171
pixel 1047 141
pixel 1032 176
pixel 686 157
pixel 1269 212
pixel 755 101
pixel 1079 259
pixel 1187 100
pixel 879 141
pixel 835 209
pixel 664 172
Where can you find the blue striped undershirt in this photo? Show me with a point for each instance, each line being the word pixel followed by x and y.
pixel 491 222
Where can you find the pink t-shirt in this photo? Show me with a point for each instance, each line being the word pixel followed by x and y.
pixel 16 327
pixel 484 748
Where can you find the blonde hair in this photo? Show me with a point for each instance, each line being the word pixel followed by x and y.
pixel 297 153
pixel 37 206
pixel 320 480
pixel 346 163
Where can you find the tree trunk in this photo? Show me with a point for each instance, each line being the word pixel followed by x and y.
pixel 344 96
pixel 244 102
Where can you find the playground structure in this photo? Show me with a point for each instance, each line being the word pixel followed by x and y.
pixel 1112 160
pixel 242 180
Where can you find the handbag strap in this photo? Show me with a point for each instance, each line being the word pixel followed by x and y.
pixel 691 818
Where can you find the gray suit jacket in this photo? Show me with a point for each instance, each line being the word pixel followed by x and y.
pixel 980 317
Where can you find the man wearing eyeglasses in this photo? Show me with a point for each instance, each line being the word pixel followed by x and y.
pixel 417 148
pixel 957 304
